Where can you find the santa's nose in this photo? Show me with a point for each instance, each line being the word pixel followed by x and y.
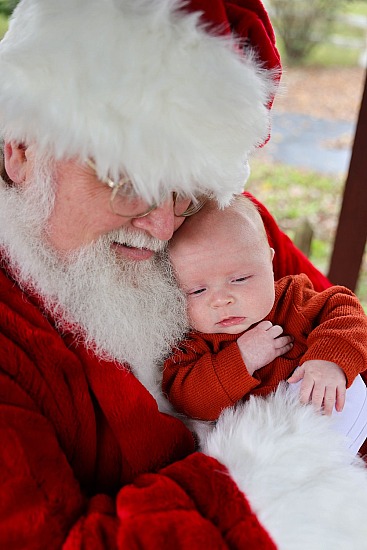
pixel 159 223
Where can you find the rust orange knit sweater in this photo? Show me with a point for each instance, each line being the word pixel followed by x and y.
pixel 206 373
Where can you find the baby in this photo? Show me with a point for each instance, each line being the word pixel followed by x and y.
pixel 249 333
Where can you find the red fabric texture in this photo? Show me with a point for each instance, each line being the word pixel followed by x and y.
pixel 197 495
pixel 86 458
pixel 84 447
pixel 207 374
pixel 247 19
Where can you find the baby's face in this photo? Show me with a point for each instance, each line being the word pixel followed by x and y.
pixel 227 276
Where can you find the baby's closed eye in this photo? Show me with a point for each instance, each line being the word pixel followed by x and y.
pixel 241 279
pixel 195 292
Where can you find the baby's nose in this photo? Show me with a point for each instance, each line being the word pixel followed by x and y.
pixel 222 299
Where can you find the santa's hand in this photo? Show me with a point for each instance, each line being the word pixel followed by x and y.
pixel 262 344
pixel 323 383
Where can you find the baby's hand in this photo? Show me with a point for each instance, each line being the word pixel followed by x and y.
pixel 323 384
pixel 261 344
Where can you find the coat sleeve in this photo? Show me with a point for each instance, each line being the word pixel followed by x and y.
pixel 192 503
pixel 201 380
pixel 47 471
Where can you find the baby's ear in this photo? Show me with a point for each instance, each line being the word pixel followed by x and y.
pixel 15 161
pixel 272 253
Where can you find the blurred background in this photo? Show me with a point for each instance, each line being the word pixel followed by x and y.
pixel 301 174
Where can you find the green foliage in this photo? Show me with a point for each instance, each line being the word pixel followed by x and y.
pixel 357 7
pixel 3 25
pixel 7 6
pixel 6 9
pixel 292 193
pixel 331 55
pixel 303 24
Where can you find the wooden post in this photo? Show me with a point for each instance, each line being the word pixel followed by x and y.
pixel 303 236
pixel 351 235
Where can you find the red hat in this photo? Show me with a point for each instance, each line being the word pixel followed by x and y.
pixel 246 19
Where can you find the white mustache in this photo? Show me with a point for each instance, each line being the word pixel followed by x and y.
pixel 137 239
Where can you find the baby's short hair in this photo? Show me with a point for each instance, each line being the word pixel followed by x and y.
pixel 241 209
pixel 244 206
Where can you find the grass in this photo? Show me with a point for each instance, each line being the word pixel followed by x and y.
pixel 328 54
pixel 331 55
pixel 292 195
pixel 357 7
pixel 3 25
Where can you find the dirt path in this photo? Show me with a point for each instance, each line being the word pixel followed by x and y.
pixel 333 93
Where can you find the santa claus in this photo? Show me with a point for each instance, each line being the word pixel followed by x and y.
pixel 118 119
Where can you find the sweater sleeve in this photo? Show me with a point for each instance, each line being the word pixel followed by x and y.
pixel 336 326
pixel 203 377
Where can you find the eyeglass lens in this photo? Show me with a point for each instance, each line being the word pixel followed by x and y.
pixel 132 205
pixel 125 201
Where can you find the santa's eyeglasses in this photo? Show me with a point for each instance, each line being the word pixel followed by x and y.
pixel 126 203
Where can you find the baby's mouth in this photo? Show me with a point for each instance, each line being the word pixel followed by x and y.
pixel 231 321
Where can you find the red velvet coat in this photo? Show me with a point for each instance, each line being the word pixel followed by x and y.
pixel 86 458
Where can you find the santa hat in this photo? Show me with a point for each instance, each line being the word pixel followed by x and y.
pixel 173 93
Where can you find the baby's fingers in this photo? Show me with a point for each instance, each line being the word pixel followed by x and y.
pixel 329 400
pixel 275 331
pixel 340 398
pixel 297 376
pixel 283 342
pixel 265 325
pixel 319 395
pixel 306 390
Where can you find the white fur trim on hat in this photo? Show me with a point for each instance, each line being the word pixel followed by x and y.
pixel 139 85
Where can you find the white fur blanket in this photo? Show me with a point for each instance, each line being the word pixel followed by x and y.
pixel 307 489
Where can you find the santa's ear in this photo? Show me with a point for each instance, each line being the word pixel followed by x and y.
pixel 272 253
pixel 15 161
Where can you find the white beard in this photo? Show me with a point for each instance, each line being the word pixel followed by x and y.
pixel 130 312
